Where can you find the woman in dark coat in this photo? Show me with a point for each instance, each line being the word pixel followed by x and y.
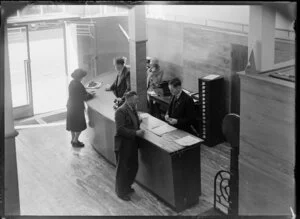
pixel 75 107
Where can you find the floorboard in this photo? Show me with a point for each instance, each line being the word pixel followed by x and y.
pixel 56 179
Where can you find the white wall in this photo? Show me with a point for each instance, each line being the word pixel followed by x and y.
pixel 227 13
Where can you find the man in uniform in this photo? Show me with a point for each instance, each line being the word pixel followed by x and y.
pixel 126 145
pixel 181 112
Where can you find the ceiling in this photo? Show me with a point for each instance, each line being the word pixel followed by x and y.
pixel 287 9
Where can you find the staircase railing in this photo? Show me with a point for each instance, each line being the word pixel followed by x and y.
pixel 226 183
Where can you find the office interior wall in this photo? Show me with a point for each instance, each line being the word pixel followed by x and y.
pixel 190 51
pixel 96 54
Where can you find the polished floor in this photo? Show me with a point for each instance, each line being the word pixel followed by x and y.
pixel 56 179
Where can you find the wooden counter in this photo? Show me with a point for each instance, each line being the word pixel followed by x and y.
pixel 166 169
pixel 267 146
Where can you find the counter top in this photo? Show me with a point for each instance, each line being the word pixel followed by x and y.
pixel 103 104
pixel 264 76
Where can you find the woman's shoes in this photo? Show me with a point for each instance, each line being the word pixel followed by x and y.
pixel 77 144
pixel 125 198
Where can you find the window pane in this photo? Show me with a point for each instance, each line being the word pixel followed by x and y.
pixel 17 52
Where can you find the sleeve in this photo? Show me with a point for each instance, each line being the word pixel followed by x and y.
pixel 170 105
pixel 121 129
pixel 84 94
pixel 190 113
pixel 113 86
pixel 128 82
pixel 161 76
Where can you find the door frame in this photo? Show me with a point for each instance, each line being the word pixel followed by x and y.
pixel 24 111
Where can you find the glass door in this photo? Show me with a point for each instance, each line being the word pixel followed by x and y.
pixel 19 63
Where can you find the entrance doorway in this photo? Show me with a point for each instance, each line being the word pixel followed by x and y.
pixel 48 67
pixel 38 68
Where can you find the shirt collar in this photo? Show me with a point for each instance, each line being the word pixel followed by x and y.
pixel 130 107
pixel 178 95
pixel 120 72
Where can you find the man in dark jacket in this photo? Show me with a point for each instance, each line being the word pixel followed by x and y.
pixel 181 112
pixel 126 145
pixel 121 84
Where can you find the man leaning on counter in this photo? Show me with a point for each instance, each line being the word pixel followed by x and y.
pixel 121 85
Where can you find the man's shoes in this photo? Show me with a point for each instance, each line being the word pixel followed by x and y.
pixel 124 197
pixel 131 190
pixel 77 144
pixel 80 143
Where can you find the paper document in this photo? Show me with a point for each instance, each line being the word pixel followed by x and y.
pixel 155 124
pixel 143 115
pixel 188 140
pixel 152 93
pixel 211 77
pixel 163 129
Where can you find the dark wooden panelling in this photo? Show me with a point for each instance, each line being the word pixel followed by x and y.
pixel 239 57
pixel 284 51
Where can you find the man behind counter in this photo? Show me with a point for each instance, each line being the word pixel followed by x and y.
pixel 121 84
pixel 181 112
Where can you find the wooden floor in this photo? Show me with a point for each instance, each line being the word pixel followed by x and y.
pixel 56 179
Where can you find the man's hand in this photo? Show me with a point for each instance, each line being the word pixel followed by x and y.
pixel 107 87
pixel 140 133
pixel 167 117
pixel 173 121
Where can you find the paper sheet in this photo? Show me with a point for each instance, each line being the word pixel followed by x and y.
pixel 152 93
pixel 144 115
pixel 188 140
pixel 163 129
pixel 211 77
pixel 155 124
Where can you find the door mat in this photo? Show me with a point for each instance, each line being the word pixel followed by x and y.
pixel 31 121
pixel 55 118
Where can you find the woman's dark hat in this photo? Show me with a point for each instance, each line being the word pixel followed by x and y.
pixel 78 73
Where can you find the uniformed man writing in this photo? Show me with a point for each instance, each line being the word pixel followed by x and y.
pixel 181 111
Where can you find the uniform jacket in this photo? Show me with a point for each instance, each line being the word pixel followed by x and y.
pixel 154 77
pixel 127 123
pixel 183 110
pixel 121 84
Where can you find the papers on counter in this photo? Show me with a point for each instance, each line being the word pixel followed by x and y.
pixel 144 115
pixel 163 129
pixel 188 140
pixel 152 93
pixel 211 77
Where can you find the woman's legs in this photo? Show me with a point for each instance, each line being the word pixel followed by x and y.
pixel 76 136
pixel 73 136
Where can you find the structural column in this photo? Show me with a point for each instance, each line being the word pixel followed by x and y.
pixel 11 192
pixel 137 52
pixel 261 36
